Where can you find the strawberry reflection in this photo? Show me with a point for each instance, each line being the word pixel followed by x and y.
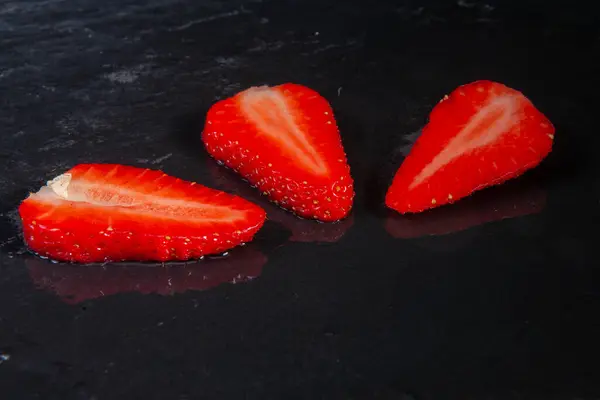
pixel 493 204
pixel 302 230
pixel 76 283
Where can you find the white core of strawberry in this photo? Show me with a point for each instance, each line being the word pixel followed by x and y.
pixel 269 110
pixel 60 185
pixel 492 121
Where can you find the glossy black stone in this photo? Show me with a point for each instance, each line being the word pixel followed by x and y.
pixel 496 297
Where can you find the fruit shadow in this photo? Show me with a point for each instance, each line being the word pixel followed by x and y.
pixel 511 200
pixel 301 230
pixel 77 283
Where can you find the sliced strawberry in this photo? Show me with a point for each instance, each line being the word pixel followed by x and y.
pixel 107 212
pixel 481 135
pixel 76 283
pixel 285 141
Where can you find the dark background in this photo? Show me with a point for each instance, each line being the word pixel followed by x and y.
pixel 372 308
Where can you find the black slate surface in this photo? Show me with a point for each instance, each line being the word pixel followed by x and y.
pixel 373 308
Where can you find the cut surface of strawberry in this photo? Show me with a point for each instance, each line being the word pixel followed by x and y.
pixel 482 134
pixel 110 212
pixel 284 140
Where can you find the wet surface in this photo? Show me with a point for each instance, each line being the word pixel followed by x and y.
pixel 77 283
pixel 493 298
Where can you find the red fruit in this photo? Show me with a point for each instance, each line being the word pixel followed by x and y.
pixel 285 141
pixel 481 135
pixel 106 212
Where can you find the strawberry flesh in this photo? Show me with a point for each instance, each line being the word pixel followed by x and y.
pixel 284 140
pixel 108 212
pixel 482 134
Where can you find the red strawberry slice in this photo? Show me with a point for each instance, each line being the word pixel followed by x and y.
pixel 285 141
pixel 481 135
pixel 107 212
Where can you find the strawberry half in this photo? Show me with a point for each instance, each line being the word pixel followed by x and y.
pixel 481 135
pixel 107 212
pixel 284 140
